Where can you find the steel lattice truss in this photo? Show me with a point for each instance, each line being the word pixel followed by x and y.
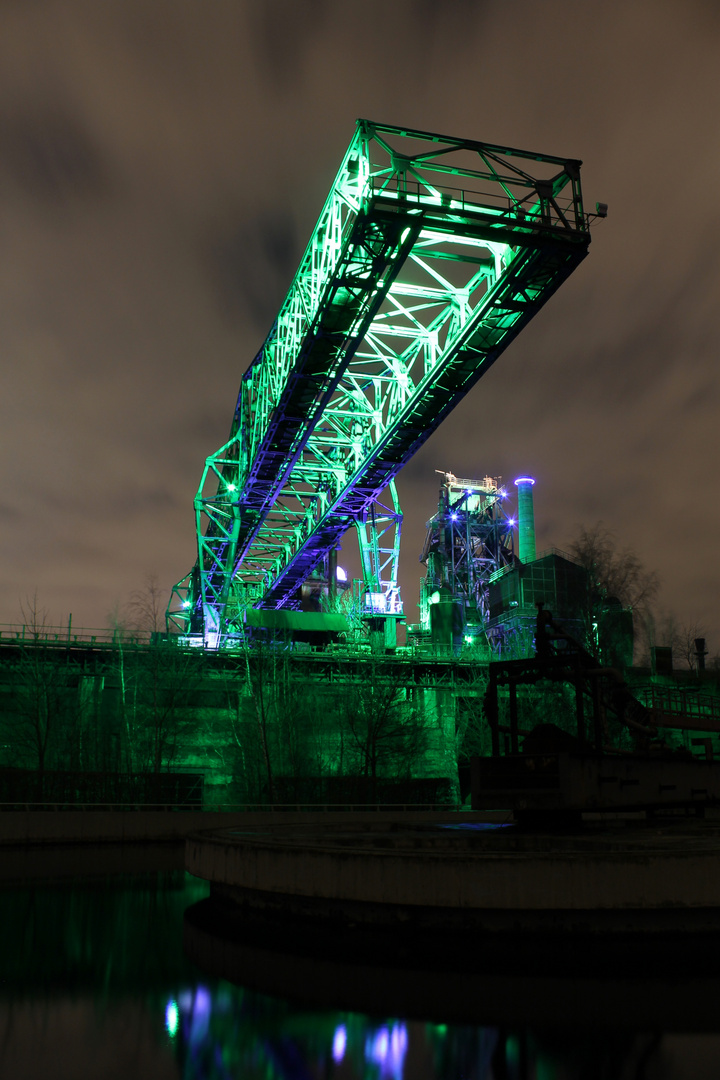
pixel 428 258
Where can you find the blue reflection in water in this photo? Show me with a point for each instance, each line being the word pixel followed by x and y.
pixel 226 1029
pixel 339 1043
pixel 387 1049
pixel 199 1011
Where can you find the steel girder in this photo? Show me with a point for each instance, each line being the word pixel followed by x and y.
pixel 429 257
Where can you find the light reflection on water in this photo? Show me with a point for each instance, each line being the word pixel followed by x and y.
pixel 230 1032
pixel 246 1034
pixel 94 983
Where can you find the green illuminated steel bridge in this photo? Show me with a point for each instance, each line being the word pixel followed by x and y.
pixel 430 255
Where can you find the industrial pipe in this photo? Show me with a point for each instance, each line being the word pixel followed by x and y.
pixel 526 519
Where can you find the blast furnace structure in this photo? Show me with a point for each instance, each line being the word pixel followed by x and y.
pixel 468 540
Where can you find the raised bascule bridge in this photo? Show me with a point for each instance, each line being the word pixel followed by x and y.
pixel 429 257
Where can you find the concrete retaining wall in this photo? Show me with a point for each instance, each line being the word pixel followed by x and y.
pixel 546 873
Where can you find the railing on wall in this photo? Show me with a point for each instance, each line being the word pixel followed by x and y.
pixel 22 633
pixel 684 704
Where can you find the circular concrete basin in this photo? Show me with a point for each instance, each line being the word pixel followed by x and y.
pixel 451 873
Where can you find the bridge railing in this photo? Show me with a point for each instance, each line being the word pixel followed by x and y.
pixel 679 702
pixel 20 633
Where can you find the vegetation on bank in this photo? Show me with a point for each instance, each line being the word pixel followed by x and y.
pixel 264 725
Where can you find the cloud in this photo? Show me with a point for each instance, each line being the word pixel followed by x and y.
pixel 283 32
pixel 49 155
pixel 250 262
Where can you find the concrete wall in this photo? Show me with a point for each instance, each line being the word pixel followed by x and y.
pixel 444 869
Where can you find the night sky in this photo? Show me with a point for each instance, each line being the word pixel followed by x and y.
pixel 162 164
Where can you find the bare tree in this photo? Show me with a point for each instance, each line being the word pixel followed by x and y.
pixel 118 625
pixel 472 732
pixel 385 734
pixel 664 628
pixel 614 575
pixel 156 680
pixel 688 634
pixel 614 572
pixel 44 719
pixel 144 614
pixel 683 642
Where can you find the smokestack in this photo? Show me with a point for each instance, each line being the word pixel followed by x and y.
pixel 526 519
pixel 700 654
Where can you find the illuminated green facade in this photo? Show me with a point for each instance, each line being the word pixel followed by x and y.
pixel 268 725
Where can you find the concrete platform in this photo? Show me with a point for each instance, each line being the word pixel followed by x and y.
pixel 453 875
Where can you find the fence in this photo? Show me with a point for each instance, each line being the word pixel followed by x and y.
pixel 22 633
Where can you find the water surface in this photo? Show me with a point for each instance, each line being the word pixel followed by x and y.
pixel 94 982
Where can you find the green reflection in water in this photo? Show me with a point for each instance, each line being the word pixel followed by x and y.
pixel 112 936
